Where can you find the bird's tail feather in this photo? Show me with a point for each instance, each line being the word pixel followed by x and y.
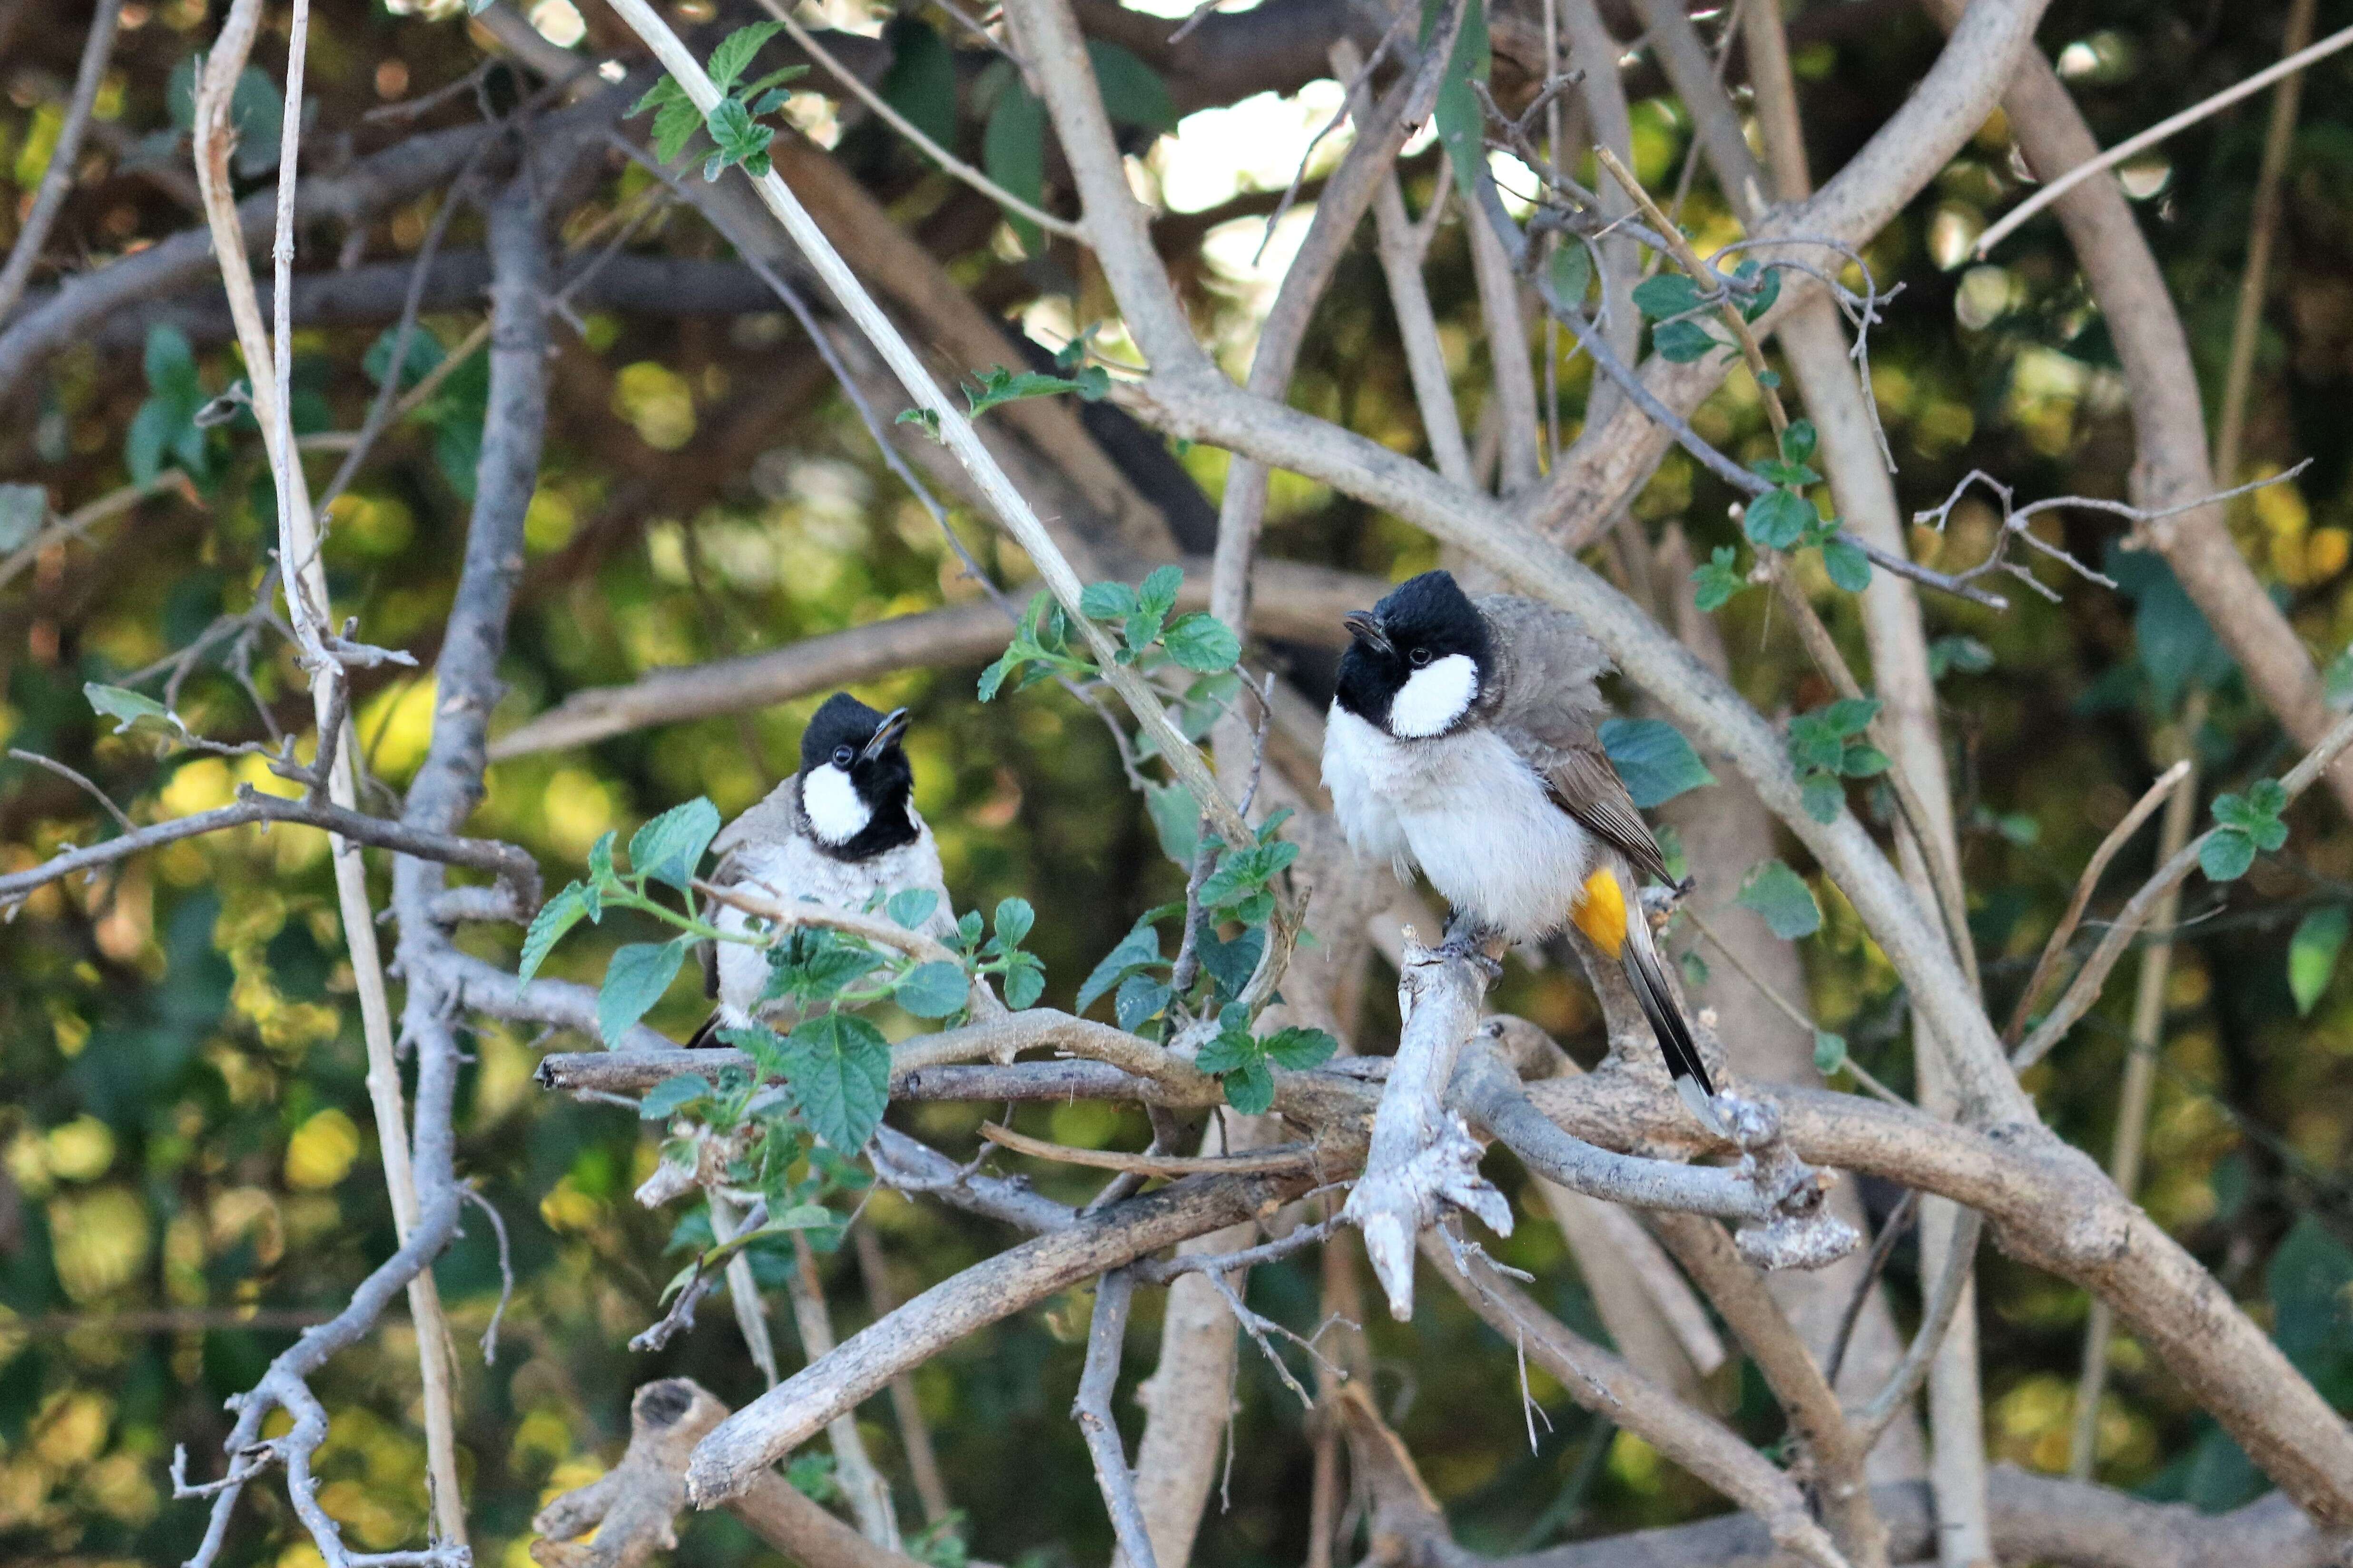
pixel 1641 959
pixel 706 1034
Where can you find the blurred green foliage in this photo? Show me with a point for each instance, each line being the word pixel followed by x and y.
pixel 185 1134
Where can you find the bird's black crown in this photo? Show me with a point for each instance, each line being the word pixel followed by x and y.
pixel 841 733
pixel 1419 622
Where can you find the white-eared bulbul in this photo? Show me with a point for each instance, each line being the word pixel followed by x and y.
pixel 1463 739
pixel 837 832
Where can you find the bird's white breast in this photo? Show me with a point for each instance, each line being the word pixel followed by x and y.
pixel 792 870
pixel 1468 810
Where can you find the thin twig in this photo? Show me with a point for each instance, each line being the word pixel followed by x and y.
pixel 1904 1382
pixel 2156 133
pixel 1283 1159
pixel 57 179
pixel 1899 1219
pixel 2084 989
pixel 2065 932
pixel 1784 1007
pixel 66 772
pixel 1107 1337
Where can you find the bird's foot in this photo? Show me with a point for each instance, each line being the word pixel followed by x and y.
pixel 1474 944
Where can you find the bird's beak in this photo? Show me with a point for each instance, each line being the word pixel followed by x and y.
pixel 894 725
pixel 1365 626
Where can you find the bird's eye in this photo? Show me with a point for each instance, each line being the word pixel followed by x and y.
pixel 1417 658
pixel 843 756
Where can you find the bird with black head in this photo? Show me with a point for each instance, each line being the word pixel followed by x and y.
pixel 1464 739
pixel 837 832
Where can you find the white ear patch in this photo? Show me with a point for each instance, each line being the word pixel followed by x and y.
pixel 831 801
pixel 1434 698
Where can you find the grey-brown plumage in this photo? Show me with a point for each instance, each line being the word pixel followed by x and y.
pixel 839 832
pixel 1464 739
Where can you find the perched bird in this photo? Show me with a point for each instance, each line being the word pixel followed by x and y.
pixel 1463 739
pixel 837 832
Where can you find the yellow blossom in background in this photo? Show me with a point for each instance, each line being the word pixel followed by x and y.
pixel 80 1150
pixel 321 1150
pixel 98 1240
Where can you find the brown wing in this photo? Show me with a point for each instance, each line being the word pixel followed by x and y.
pixel 1583 784
pixel 1547 704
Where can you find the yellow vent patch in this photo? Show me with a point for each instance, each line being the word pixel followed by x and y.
pixel 1600 912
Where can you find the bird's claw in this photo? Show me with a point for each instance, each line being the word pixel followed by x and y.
pixel 1469 948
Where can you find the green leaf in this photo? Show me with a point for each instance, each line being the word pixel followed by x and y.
pixel 1851 715
pixel 1013 152
pixel 2312 956
pixel 1768 289
pixel 997 385
pixel 1133 92
pixel 2178 648
pixel 1460 117
pixel 735 52
pixel 737 138
pixel 1797 476
pixel 839 1065
pixel 1014 919
pixel 601 874
pixel 129 707
pixel 419 359
pixel 1571 272
pixel 814 964
pixel 1249 1086
pixel 1778 519
pixel 1685 343
pixel 1654 758
pixel 934 990
pixel 909 907
pixel 1138 949
pixel 1830 1052
pixel 1863 762
pixel 1025 981
pixel 1176 819
pixel 1202 643
pixel 812 1475
pixel 1779 894
pixel 922 81
pixel 1107 602
pixel 1718 580
pixel 1141 999
pixel 1797 441
pixel 992 679
pixel 1823 796
pixel 1157 593
pixel 665 90
pixel 634 980
pixel 1299 1049
pixel 2226 855
pixel 763 100
pixel 1965 654
pixel 675 124
pixel 1230 964
pixel 670 848
pixel 667 1098
pixel 1666 295
pixel 1849 567
pixel 555 916
pixel 1694 968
